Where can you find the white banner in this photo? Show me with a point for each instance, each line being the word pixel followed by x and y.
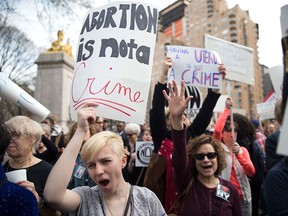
pixel 114 60
pixel 196 66
pixel 238 59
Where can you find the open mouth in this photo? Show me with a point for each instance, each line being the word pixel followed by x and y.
pixel 104 183
pixel 207 167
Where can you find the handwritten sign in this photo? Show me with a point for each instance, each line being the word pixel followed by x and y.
pixel 266 110
pixel 196 66
pixel 114 60
pixel 144 152
pixel 12 92
pixel 238 59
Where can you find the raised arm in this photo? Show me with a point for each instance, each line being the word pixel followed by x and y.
pixel 177 104
pixel 55 192
pixel 157 113
pixel 203 118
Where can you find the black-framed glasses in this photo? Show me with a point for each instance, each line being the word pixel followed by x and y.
pixel 15 135
pixel 201 156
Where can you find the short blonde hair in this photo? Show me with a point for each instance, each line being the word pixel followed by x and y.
pixel 25 126
pixel 98 141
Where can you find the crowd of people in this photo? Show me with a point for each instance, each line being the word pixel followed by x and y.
pixel 91 169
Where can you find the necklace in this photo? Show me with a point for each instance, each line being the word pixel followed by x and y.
pixel 125 202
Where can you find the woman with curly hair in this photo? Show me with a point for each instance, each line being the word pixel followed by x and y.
pixel 196 168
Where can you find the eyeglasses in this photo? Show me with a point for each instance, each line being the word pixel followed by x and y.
pixel 128 135
pixel 15 135
pixel 99 122
pixel 201 156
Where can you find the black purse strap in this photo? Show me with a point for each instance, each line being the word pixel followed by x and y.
pixel 128 201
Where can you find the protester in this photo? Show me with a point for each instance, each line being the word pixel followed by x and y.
pixel 276 190
pixel 14 200
pixel 160 125
pixel 104 155
pixel 272 158
pixel 25 134
pixel 136 174
pixel 261 138
pixel 45 149
pixel 120 126
pixel 99 124
pixel 197 167
pixel 239 166
pixel 80 176
pixel 57 134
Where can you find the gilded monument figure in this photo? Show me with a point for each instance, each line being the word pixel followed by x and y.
pixel 57 45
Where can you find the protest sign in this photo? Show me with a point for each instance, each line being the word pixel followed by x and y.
pixel 266 110
pixel 144 152
pixel 276 76
pixel 12 92
pixel 114 60
pixel 238 59
pixel 196 66
pixel 220 105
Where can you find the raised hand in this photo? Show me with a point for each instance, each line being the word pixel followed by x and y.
pixel 177 103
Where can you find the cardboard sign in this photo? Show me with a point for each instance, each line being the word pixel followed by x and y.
pixel 12 92
pixel 238 59
pixel 196 66
pixel 144 152
pixel 114 60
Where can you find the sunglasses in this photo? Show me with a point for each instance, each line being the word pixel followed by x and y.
pixel 229 129
pixel 201 156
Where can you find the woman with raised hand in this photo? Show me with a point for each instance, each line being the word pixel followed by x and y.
pixel 104 155
pixel 197 166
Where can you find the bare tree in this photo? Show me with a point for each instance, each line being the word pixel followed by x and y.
pixel 17 60
pixel 17 54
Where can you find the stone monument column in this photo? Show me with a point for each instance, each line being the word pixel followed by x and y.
pixel 53 82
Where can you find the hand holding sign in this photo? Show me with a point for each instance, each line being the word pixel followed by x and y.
pixel 197 67
pixel 114 60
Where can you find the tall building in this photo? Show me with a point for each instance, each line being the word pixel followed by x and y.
pixel 185 22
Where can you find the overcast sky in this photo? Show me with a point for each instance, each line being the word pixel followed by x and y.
pixel 264 12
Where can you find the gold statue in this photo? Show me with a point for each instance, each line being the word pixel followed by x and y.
pixel 57 45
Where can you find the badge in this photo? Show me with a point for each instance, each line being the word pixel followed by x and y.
pixel 223 192
pixel 79 172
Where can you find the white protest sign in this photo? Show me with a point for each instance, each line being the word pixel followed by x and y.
pixel 220 105
pixel 114 60
pixel 196 66
pixel 238 59
pixel 276 75
pixel 144 152
pixel 266 110
pixel 282 147
pixel 12 92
